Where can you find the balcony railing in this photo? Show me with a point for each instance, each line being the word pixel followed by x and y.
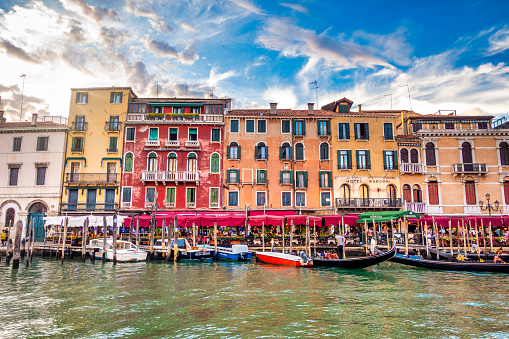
pixel 470 168
pixel 190 204
pixel 169 204
pixel 192 143
pixel 125 204
pixel 79 126
pixel 92 178
pixel 417 207
pixel 368 203
pixel 112 126
pixel 112 150
pixel 172 143
pixel 177 118
pixel 214 205
pixel 87 207
pixel 406 167
pixel 169 176
pixel 152 143
pixel 77 150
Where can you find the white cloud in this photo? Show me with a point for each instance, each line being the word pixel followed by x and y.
pixel 248 5
pixel 283 96
pixel 215 77
pixel 499 41
pixel 296 7
pixel 188 27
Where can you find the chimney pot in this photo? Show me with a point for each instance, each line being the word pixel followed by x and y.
pixel 360 108
pixel 34 119
pixel 273 108
pixel 311 109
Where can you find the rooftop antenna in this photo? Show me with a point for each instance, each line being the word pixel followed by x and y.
pixel 157 88
pixel 316 89
pixel 211 93
pixel 386 95
pixel 22 92
pixel 408 88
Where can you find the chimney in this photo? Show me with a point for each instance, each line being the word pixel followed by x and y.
pixel 360 108
pixel 34 119
pixel 311 108
pixel 404 122
pixel 273 108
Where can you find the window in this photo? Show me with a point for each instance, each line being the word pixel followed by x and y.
pixel 324 151
pixel 417 192
pixel 285 126
pixel 390 160
pixel 172 162
pixel 233 198
pixel 364 190
pixel 470 193
pixel 81 97
pixel 115 97
pixel 286 177
pixel 114 123
pixel 260 198
pixel 407 193
pixel 157 110
pixel 233 176
pixel 326 179
pixel 466 154
pixel 414 156
pixel 506 191
pixel 344 192
pixel 344 159
pixel 343 131
pixel 137 108
pixel 430 154
pixel 91 199
pixel 343 108
pixel 361 131
pixel 300 198
pixel 299 151
pixel 299 127
pixel 113 145
pixel 285 152
pixel 128 162
pixel 363 160
pixel 301 179
pixel 449 125
pixel 261 151
pixel 261 176
pixel 195 110
pixel 214 197
pixel 79 123
pixel 416 126
pixel 433 192
pixel 286 199
pixel 388 133
pixel 262 126
pixel 214 163
pixel 325 199
pixel 193 134
pixel 130 134
pixel 192 162
pixel 42 143
pixel 109 200
pixel 152 162
pixel 126 195
pixel 323 127
pixel 150 194
pixel 233 151
pixel 250 126
pixel 234 126
pixel 177 110
pixel 173 134
pixel 504 154
pixel 171 194
pixel 391 194
pixel 16 144
pixel 482 125
pixel 403 153
pixel 153 134
pixel 215 135
pixel 13 176
pixel 41 175
pixel 77 144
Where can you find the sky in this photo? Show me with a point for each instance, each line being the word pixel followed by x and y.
pixel 421 55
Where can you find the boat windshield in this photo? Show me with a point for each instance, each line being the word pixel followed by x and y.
pixel 181 243
pixel 123 246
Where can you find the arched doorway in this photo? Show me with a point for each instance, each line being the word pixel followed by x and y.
pixel 36 212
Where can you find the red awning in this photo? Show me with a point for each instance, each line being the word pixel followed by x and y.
pixel 277 213
pixel 272 220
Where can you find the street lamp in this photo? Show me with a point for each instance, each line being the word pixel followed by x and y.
pixel 489 207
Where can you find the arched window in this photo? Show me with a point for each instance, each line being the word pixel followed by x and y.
pixel 172 162
pixel 128 162
pixel 417 193
pixel 233 150
pixel 430 154
pixel 214 163
pixel 403 155
pixel 9 217
pixel 152 162
pixel 470 192
pixel 299 151
pixel 261 151
pixel 391 192
pixel 506 191
pixel 433 192
pixel 285 151
pixel 192 162
pixel 345 195
pixel 504 154
pixel 407 193
pixel 364 189
pixel 324 151
pixel 414 156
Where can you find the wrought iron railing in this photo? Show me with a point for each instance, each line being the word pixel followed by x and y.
pixel 112 126
pixel 79 126
pixel 368 202
pixel 85 207
pixel 92 178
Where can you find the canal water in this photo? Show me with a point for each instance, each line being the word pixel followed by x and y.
pixel 246 300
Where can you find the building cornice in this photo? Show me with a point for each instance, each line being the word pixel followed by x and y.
pixel 36 129
pixel 462 132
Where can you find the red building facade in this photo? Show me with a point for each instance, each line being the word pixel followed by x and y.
pixel 173 154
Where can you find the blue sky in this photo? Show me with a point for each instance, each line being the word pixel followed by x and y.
pixel 453 55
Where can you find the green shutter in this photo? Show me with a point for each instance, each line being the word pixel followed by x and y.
pixel 291 177
pixel 318 127
pixel 128 166
pixel 395 160
pixel 227 152
pixel 368 160
pixel 73 142
pixel 357 159
pixel 385 160
pixel 305 179
pixel 341 136
pixel 356 129
pixel 329 175
pixel 112 97
pixel 238 152
pixel 281 177
pixel 327 124
pixel 280 152
pixel 304 127
pixel 256 152
pixel 291 152
pixel 367 131
pixel 228 176
pixel 238 176
pixel 347 130
pixel 349 154
pixel 266 152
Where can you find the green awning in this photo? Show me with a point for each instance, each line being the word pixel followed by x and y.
pixel 386 216
pixel 75 158
pixel 175 104
pixel 119 159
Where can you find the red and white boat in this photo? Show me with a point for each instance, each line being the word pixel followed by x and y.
pixel 284 259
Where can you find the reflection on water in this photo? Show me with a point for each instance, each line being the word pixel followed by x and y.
pixel 239 300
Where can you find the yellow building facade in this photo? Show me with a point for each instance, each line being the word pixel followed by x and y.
pixel 93 159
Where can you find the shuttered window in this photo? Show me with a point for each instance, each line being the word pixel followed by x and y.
pixel 343 131
pixel 430 154
pixel 433 193
pixel 470 193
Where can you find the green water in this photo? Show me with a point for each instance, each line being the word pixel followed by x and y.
pixel 243 300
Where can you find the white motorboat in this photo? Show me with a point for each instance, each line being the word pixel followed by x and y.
pixel 126 251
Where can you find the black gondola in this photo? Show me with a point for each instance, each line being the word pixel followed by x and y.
pixel 468 266
pixel 360 262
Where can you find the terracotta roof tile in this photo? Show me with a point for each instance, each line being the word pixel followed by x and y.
pixel 26 124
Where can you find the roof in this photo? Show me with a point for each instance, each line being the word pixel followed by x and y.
pixel 304 113
pixel 429 117
pixel 189 100
pixel 332 106
pixel 28 124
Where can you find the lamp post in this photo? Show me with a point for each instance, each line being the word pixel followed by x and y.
pixel 489 207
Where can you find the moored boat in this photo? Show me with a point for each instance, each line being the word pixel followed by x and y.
pixel 360 262
pixel 235 252
pixel 186 251
pixel 286 259
pixel 468 266
pixel 126 251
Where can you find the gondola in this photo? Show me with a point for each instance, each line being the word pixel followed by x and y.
pixel 360 262
pixel 468 266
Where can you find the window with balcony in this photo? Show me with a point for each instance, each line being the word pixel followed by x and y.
pixel 193 134
pixel 77 144
pixel 506 191
pixel 137 108
pixel 325 199
pixel 196 110
pixel 152 162
pixel 403 153
pixel 192 162
pixel 233 198
pixel 323 127
pixel 430 154
pixel 81 97
pixel 299 151
pixel 91 199
pixel 177 110
pixel 388 131
pixel 286 177
pixel 361 131
pixel 300 199
pixel 250 126
pixel 79 123
pixel 115 97
pixel 285 127
pixel 128 162
pixel 433 192
pixel 233 176
pixel 234 126
pixel 214 163
pixel 260 198
pixel 299 127
pixel 504 154
pixel 109 199
pixel 467 158
pixel 482 125
pixel 324 151
pixel 153 134
pixel 416 126
pixel 301 179
pixel 414 156
pixel 262 126
pixel 470 196
pixel 261 151
pixel 172 162
pixel 285 151
pixel 326 179
pixel 16 144
pixel 286 199
pixel 215 135
pixel 363 160
pixel 130 134
pixel 126 196
pixel 417 193
pixel 113 145
pixel 344 192
pixel 214 197
pixel 407 193
pixel 364 192
pixel 114 123
pixel 42 144
pixel 233 150
pixel 391 192
pixel 261 176
pixel 343 131
pixel 173 134
pixel 390 160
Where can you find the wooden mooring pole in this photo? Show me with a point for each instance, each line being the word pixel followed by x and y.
pixel 105 239
pixel 115 238
pixel 30 237
pixel 131 229
pixel 170 234
pixel 64 237
pixel 163 235
pixel 175 239
pixel 450 239
pixel 84 240
pixel 138 231
pixel 17 245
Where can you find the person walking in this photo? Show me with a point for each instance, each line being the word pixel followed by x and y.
pixel 339 244
pixel 3 237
